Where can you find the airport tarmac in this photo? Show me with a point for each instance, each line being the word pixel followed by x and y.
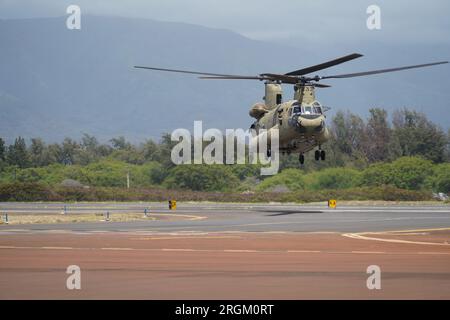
pixel 229 251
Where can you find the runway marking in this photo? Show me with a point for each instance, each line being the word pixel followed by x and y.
pixel 189 216
pixel 362 236
pixel 183 237
pixel 221 250
pixel 304 251
pixel 370 252
pixel 431 253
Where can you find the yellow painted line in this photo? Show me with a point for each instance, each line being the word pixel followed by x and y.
pixel 183 250
pixel 241 251
pixel 57 248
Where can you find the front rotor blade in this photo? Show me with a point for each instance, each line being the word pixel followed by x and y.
pixel 185 71
pixel 367 73
pixel 324 65
pixel 234 78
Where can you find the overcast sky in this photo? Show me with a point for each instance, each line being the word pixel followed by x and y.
pixel 403 21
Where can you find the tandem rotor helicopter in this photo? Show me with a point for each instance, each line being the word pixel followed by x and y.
pixel 301 121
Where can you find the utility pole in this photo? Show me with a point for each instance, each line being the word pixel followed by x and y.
pixel 128 179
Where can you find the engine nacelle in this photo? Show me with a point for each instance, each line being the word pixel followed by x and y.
pixel 258 110
pixel 273 94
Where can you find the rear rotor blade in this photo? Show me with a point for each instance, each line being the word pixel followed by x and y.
pixel 321 85
pixel 281 77
pixel 324 65
pixel 367 73
pixel 265 76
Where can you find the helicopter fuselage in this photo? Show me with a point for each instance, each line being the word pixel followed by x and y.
pixel 300 122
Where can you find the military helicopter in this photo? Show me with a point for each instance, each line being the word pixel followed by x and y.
pixel 301 121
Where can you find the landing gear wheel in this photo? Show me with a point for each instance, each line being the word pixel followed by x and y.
pixel 322 155
pixel 317 155
pixel 269 153
pixel 301 158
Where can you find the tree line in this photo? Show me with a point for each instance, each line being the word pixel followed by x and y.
pixel 365 149
pixel 353 141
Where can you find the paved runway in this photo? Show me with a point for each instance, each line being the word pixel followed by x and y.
pixel 242 217
pixel 228 251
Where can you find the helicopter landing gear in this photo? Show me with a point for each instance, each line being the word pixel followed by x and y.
pixel 317 155
pixel 301 158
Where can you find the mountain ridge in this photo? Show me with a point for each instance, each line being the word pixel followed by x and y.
pixel 56 82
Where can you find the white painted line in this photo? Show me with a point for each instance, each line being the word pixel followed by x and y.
pixel 363 236
pixel 182 250
pixel 369 252
pixel 304 251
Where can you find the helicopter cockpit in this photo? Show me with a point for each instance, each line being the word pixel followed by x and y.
pixel 314 109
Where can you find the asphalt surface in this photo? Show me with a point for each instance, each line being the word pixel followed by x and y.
pixel 228 251
pixel 239 217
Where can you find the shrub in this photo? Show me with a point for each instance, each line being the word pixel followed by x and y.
pixel 333 178
pixel 202 178
pixel 440 180
pixel 404 173
pixel 26 191
pixel 293 179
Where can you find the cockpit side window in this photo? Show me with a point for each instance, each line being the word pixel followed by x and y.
pixel 317 110
pixel 296 109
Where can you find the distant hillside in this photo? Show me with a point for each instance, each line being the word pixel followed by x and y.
pixel 56 82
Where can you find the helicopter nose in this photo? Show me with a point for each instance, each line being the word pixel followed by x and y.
pixel 311 125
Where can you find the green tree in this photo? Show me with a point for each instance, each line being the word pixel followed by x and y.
pixel 379 131
pixel 2 155
pixel 18 154
pixel 37 152
pixel 415 135
pixel 120 143
pixel 69 151
pixel 2 150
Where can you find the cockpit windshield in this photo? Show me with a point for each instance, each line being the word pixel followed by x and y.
pixel 313 109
